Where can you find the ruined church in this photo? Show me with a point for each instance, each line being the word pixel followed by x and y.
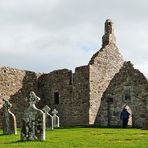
pixel 94 94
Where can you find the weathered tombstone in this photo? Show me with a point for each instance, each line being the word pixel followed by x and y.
pixel 55 118
pixel 33 121
pixel 145 124
pixel 9 120
pixel 49 119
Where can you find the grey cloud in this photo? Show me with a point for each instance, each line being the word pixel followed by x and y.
pixel 66 33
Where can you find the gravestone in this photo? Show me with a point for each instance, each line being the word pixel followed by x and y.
pixel 9 120
pixel 33 121
pixel 145 124
pixel 49 119
pixel 55 118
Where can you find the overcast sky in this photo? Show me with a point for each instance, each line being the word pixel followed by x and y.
pixel 45 35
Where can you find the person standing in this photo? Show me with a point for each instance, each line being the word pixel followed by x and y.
pixel 124 116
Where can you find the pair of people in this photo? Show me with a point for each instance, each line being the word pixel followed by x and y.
pixel 124 116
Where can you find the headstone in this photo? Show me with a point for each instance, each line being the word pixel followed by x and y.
pixel 9 120
pixel 145 124
pixel 55 118
pixel 33 121
pixel 49 119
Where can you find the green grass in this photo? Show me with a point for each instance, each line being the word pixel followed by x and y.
pixel 82 138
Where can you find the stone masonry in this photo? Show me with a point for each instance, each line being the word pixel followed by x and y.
pixel 16 85
pixel 127 88
pixel 93 94
pixel 102 68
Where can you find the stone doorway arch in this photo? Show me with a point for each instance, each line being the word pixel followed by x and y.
pixel 130 120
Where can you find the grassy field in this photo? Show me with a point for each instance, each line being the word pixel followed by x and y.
pixel 82 138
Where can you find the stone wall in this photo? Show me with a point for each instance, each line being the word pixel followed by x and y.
pixel 128 87
pixel 73 94
pixel 102 68
pixel 58 85
pixel 14 86
pixel 80 102
pixel 72 90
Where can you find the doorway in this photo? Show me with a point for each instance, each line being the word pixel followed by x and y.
pixel 130 120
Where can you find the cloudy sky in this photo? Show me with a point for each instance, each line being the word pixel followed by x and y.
pixel 45 35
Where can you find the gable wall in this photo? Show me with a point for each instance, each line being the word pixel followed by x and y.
pixel 127 78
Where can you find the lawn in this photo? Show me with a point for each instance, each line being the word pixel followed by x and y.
pixel 82 138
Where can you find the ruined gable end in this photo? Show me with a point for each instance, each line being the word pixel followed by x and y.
pixel 102 67
pixel 128 88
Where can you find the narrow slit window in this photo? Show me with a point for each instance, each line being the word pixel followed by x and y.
pixel 110 100
pixel 56 98
pixel 127 93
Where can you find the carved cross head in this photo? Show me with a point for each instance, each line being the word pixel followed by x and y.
pixel 54 112
pixel 46 109
pixel 33 98
pixel 7 104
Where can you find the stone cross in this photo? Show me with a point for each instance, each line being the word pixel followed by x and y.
pixel 33 121
pixel 55 118
pixel 9 120
pixel 49 119
pixel 46 109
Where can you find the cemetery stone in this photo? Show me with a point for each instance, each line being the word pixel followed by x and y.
pixel 145 124
pixel 9 120
pixel 55 118
pixel 49 119
pixel 33 121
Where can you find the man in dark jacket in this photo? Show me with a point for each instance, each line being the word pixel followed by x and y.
pixel 124 116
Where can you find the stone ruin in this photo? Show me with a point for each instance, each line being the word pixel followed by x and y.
pixel 33 121
pixel 9 120
pixel 94 94
pixel 127 88
pixel 48 117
